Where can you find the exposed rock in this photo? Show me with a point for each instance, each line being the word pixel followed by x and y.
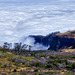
pixel 56 40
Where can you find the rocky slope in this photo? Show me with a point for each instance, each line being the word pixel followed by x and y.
pixel 56 40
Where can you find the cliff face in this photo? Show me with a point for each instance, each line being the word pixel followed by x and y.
pixel 57 40
pixel 60 43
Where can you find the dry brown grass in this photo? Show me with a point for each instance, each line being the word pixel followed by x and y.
pixel 68 50
pixel 69 34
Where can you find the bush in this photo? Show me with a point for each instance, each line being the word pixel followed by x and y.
pixel 69 67
pixel 49 66
pixel 33 63
pixel 49 73
pixel 37 64
pixel 13 59
pixel 73 66
pixel 18 61
pixel 51 57
pixel 73 57
pixel 15 70
pixel 23 62
pixel 36 70
pixel 40 65
pixel 57 61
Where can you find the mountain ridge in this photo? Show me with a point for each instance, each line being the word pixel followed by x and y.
pixel 56 40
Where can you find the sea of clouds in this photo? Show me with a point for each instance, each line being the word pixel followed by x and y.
pixel 18 21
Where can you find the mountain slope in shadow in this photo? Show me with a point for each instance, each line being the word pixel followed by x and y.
pixel 56 40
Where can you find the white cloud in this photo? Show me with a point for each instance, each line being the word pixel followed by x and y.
pixel 16 22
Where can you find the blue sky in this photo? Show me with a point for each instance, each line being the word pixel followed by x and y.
pixel 38 1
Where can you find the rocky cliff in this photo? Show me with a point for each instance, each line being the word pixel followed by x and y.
pixel 56 40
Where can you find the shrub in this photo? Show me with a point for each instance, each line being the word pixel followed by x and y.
pixel 69 67
pixel 32 54
pixel 49 66
pixel 36 70
pixel 37 64
pixel 33 63
pixel 15 70
pixel 40 65
pixel 73 57
pixel 51 57
pixel 73 66
pixel 13 59
pixel 18 61
pixel 49 73
pixel 60 61
pixel 23 62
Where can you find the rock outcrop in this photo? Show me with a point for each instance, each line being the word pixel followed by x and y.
pixel 56 40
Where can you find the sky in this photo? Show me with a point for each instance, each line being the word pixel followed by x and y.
pixel 37 1
pixel 21 18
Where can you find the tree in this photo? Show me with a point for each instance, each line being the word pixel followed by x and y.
pixel 24 46
pixel 6 45
pixel 17 46
pixel 30 48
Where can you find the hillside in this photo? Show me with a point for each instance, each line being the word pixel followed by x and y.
pixel 63 40
pixel 69 34
pixel 59 59
pixel 56 40
pixel 37 62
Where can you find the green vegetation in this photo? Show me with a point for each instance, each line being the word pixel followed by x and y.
pixel 36 63
pixel 15 70
pixel 49 73
pixel 36 70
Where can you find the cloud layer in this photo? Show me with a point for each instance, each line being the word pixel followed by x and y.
pixel 16 22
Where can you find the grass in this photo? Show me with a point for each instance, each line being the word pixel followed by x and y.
pixel 6 58
pixel 52 63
